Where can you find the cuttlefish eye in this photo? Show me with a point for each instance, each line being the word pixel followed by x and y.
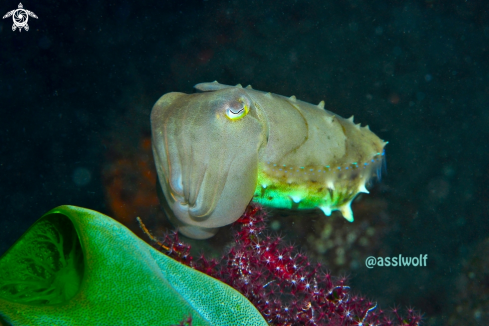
pixel 237 111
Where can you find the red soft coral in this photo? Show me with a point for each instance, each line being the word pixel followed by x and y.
pixel 281 282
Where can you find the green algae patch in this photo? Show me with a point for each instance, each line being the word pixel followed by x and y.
pixel 75 266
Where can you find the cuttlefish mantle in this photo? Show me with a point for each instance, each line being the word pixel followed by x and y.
pixel 218 150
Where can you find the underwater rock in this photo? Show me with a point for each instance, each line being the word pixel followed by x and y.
pixel 75 266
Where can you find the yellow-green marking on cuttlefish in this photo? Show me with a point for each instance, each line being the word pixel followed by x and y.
pixel 237 113
pixel 308 187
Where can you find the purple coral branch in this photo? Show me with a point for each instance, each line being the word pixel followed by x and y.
pixel 283 284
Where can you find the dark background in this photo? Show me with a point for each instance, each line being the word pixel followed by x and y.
pixel 87 73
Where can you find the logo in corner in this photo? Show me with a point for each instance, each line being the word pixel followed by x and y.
pixel 20 17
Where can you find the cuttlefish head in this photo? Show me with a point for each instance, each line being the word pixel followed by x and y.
pixel 206 153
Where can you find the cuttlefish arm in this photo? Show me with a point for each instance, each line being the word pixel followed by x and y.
pixel 206 154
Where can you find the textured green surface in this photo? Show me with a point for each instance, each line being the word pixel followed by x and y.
pixel 79 267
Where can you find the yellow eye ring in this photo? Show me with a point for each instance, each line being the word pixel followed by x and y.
pixel 236 115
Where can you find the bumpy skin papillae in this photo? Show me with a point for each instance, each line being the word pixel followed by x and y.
pixel 218 150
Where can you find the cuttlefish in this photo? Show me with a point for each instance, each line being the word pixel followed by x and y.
pixel 217 150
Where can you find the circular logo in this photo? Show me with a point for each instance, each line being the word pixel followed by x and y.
pixel 20 18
